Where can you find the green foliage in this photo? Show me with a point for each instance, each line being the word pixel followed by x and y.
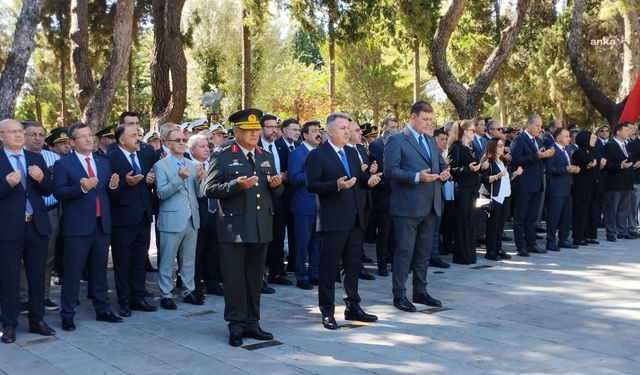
pixel 305 47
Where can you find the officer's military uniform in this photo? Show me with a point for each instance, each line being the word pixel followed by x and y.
pixel 244 223
pixel 109 132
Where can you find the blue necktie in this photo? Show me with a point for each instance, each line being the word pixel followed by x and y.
pixel 136 168
pixel 23 181
pixel 426 149
pixel 345 164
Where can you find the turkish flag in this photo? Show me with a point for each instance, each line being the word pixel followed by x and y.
pixel 631 110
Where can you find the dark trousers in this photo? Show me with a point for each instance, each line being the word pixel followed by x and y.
pixel 208 255
pixel 414 238
pixel 275 252
pixel 435 247
pixel 32 250
pixel 495 225
pixel 307 242
pixel 558 218
pixel 339 247
pixel 92 250
pixel 447 227
pixel 616 212
pixel 525 212
pixel 242 265
pixel 129 249
pixel 384 239
pixel 594 217
pixel 581 213
pixel 291 243
pixel 464 249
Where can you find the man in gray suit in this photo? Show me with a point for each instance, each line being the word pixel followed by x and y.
pixel 243 178
pixel 179 183
pixel 416 170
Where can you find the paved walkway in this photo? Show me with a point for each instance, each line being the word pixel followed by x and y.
pixel 573 312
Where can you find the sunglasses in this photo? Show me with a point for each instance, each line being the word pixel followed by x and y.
pixel 179 140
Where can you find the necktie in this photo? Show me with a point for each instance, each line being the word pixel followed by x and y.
pixel 426 149
pixel 250 158
pixel 479 144
pixel 91 174
pixel 345 164
pixel 271 148
pixel 136 168
pixel 23 181
pixel 566 155
pixel 534 143
pixel 624 149
pixel 290 148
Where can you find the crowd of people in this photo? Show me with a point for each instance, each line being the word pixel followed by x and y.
pixel 241 209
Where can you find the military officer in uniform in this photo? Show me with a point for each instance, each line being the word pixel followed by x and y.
pixel 106 137
pixel 244 180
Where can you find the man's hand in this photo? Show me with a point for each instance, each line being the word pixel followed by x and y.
pixel 284 176
pixel 625 164
pixel 343 183
pixel 603 163
pixel 35 172
pixel 151 177
pixel 364 167
pixel 184 172
pixel 573 169
pixel 506 157
pixel 131 179
pixel 200 172
pixel 502 173
pixel 274 181
pixel 374 179
pixel 425 176
pixel 517 172
pixel 636 165
pixel 546 153
pixel 474 167
pixel 13 178
pixel 88 183
pixel 115 180
pixel 445 175
pixel 247 182
pixel 374 167
pixel 591 164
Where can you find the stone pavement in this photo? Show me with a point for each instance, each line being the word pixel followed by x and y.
pixel 573 312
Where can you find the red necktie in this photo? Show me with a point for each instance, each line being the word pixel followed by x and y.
pixel 91 174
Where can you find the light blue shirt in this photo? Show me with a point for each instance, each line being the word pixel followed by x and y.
pixel 135 156
pixel 14 162
pixel 49 159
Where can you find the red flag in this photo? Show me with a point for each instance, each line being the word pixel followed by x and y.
pixel 631 110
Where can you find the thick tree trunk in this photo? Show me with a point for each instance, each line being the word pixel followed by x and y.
pixel 64 112
pixel 416 69
pixel 84 86
pixel 168 65
pixel 15 65
pixel 246 60
pixel 598 99
pixel 630 50
pixel 376 114
pixel 465 100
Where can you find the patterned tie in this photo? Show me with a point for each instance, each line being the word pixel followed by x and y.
pixel 290 148
pixel 250 158
pixel 91 174
pixel 426 149
pixel 23 181
pixel 345 164
pixel 136 168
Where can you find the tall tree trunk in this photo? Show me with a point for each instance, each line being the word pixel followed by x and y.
pixel 630 49
pixel 168 64
pixel 84 86
pixel 64 112
pixel 376 114
pixel 416 69
pixel 130 83
pixel 466 100
pixel 38 108
pixel 246 60
pixel 598 99
pixel 15 65
pixel 332 65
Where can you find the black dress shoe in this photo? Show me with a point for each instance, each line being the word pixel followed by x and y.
pixel 279 279
pixel 215 289
pixel 580 243
pixel 364 275
pixel 438 263
pixel 611 238
pixel 68 325
pixel 506 238
pixel 366 259
pixel 304 284
pixel 168 304
pixel 235 339
pixel 541 230
pixel 358 314
pixel 492 256
pixel 143 306
pixel 125 311
pixel 266 289
pixel 523 252
pixel 9 334
pixel 383 272
pixel 535 249
pixel 503 255
pixel 592 242
pixel 108 317
pixel 404 304
pixel 624 237
pixel 567 245
pixel 633 235
pixel 41 328
pixel 193 298
pixel 258 334
pixel 426 299
pixel 313 281
pixel 552 248
pixel 329 322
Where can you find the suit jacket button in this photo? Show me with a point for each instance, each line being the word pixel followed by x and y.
pixel 257 207
pixel 257 195
pixel 230 214
pixel 236 172
pixel 256 184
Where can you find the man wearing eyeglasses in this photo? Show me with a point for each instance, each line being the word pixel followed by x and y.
pixel 25 230
pixel 179 184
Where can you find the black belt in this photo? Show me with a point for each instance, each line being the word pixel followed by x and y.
pixel 51 208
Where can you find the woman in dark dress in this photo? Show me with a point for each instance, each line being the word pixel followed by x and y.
pixel 585 190
pixel 466 176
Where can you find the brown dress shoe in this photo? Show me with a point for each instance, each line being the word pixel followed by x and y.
pixel 41 328
pixel 9 334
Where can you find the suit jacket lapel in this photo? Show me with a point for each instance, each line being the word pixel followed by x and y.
pixel 412 141
pixel 76 161
pixel 332 155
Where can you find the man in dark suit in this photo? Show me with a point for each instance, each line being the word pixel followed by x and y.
pixel 289 141
pixel 83 183
pixel 334 173
pixel 548 139
pixel 527 152
pixel 559 173
pixel 105 140
pixel 619 184
pixel 132 216
pixel 25 230
pixel 280 152
pixel 244 180
pixel 416 169
pixel 303 208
